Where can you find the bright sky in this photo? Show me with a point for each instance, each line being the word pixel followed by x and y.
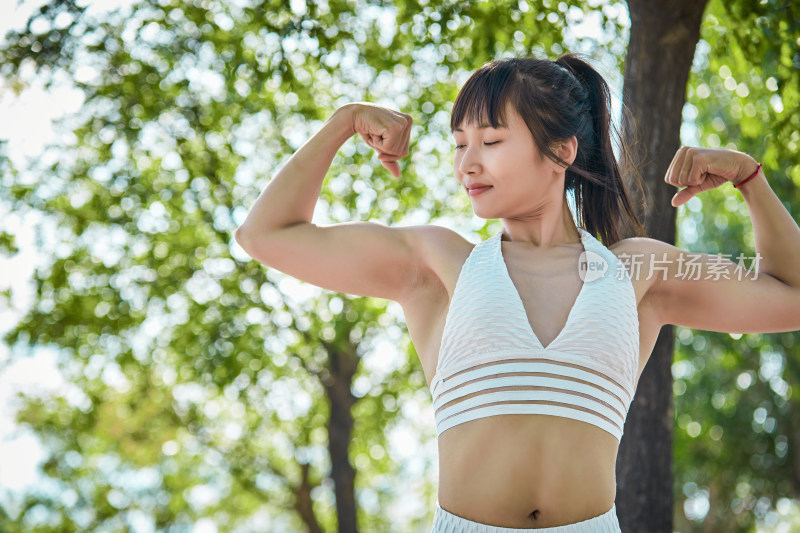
pixel 26 122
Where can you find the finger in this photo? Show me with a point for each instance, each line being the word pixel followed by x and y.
pixel 682 167
pixel 403 135
pixel 383 156
pixel 397 146
pixel 405 130
pixel 384 144
pixel 671 168
pixel 698 172
pixel 684 195
pixel 374 141
pixel 677 164
pixel 402 150
pixel 393 167
pixel 686 165
pixel 694 170
pixel 402 118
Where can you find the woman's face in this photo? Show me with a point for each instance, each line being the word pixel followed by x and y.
pixel 506 160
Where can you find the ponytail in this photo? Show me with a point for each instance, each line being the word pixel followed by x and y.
pixel 601 196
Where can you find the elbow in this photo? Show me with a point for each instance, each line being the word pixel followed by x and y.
pixel 259 247
pixel 242 237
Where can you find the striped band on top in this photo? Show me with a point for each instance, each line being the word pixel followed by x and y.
pixel 530 364
pixel 531 386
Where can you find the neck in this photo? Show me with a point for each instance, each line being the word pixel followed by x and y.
pixel 551 228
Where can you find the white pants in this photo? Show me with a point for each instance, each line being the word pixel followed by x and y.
pixel 446 522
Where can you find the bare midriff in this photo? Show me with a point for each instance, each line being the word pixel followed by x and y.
pixel 527 471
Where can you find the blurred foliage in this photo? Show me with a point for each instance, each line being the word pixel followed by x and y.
pixel 737 397
pixel 200 383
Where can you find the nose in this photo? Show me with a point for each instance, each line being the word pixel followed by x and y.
pixel 468 162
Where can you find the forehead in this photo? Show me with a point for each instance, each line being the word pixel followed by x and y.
pixel 509 120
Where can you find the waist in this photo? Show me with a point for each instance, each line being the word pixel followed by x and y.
pixel 524 471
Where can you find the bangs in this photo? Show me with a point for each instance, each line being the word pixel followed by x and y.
pixel 483 98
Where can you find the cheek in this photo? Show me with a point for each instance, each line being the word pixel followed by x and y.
pixel 456 162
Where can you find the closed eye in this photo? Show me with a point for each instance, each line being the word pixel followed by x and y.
pixel 460 146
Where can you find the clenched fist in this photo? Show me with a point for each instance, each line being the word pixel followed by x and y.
pixel 385 130
pixel 703 169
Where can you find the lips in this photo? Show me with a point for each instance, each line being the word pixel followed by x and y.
pixel 476 190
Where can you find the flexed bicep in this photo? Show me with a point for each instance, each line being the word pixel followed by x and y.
pixel 716 292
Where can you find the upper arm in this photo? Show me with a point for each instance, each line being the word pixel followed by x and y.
pixel 361 258
pixel 714 293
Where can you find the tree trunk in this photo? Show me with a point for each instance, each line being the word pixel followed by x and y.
pixel 303 501
pixel 660 53
pixel 342 368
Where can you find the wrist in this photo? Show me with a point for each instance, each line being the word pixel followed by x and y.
pixel 344 115
pixel 749 178
pixel 336 130
pixel 755 188
pixel 749 167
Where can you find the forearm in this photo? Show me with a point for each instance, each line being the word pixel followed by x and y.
pixel 291 195
pixel 777 236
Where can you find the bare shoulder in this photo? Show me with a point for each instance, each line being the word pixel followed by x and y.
pixel 442 251
pixel 640 257
pixel 639 254
pixel 637 245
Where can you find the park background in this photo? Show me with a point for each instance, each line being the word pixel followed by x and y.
pixel 155 378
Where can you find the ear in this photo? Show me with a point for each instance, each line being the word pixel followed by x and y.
pixel 568 149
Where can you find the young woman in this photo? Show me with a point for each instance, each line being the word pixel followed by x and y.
pixel 533 340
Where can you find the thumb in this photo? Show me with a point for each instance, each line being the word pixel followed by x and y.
pixel 393 167
pixel 684 195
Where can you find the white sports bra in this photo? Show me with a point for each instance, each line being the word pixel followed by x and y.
pixel 491 362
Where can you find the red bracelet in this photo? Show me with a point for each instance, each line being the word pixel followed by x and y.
pixel 753 175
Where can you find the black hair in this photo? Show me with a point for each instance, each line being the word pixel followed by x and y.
pixel 559 99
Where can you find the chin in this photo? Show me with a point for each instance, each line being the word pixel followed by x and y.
pixel 484 214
